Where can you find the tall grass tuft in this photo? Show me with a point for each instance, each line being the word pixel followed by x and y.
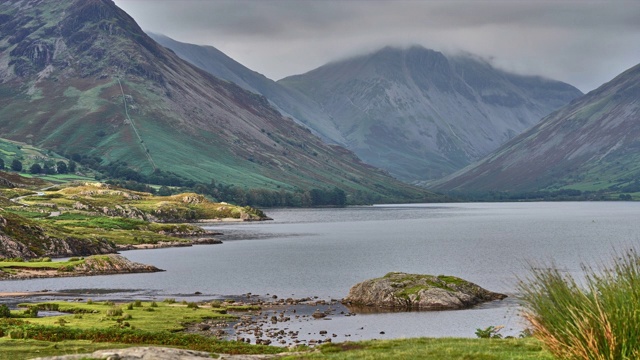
pixel 599 320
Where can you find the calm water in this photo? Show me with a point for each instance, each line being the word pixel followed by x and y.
pixel 323 252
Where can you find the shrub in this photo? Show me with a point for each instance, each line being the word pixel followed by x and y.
pixel 89 301
pixel 4 311
pixel 192 305
pixel 16 333
pixel 154 304
pixel 115 311
pixel 600 320
pixel 491 332
pixel 169 301
pixel 137 303
pixel 130 306
pixel 32 311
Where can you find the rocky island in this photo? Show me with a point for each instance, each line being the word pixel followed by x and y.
pixel 401 291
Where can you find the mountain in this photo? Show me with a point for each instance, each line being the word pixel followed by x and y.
pixel 81 77
pixel 422 115
pixel 289 102
pixel 591 144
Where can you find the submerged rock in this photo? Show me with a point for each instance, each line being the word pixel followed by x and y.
pixel 418 292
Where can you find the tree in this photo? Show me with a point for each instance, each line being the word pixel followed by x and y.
pixel 35 168
pixel 1 164
pixel 16 165
pixel 47 169
pixel 61 167
pixel 164 191
pixel 72 166
pixel 4 311
pixel 339 197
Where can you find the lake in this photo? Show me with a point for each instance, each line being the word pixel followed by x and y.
pixel 323 252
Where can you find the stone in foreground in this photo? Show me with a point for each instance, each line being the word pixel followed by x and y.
pixel 401 291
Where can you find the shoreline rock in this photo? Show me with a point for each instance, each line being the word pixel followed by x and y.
pixel 403 291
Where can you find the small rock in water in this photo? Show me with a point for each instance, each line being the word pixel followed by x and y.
pixel 318 314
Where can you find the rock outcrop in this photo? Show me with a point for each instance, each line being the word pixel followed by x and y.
pixel 94 265
pixel 111 264
pixel 22 237
pixel 418 292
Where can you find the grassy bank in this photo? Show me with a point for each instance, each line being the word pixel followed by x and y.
pixel 422 348
pixel 433 349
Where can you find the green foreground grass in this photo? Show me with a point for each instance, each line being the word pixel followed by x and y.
pixel 148 316
pixel 421 348
pixel 91 326
pixel 433 349
pixel 97 325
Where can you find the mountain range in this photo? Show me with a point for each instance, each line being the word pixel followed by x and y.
pixel 81 77
pixel 591 144
pixel 414 112
pixel 421 114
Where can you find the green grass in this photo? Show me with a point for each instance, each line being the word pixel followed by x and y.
pixel 160 327
pixel 597 320
pixel 38 265
pixel 113 325
pixel 433 349
pixel 165 317
pixel 59 178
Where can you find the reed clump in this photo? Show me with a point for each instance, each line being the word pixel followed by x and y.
pixel 596 319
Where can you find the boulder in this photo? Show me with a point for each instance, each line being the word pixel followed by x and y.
pixel 403 291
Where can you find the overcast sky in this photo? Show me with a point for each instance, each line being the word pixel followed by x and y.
pixel 585 43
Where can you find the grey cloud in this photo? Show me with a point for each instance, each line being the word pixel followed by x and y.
pixel 584 43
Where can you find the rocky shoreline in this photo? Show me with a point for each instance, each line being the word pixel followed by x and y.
pixel 171 244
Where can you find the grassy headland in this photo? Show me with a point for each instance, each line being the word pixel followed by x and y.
pixel 81 219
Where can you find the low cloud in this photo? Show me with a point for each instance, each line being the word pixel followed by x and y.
pixel 584 43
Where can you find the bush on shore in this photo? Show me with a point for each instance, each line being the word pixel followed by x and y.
pixel 597 320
